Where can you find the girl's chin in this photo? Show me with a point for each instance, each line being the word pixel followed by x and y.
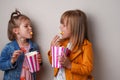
pixel 29 37
pixel 64 38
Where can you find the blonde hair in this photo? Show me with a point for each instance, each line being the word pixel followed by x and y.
pixel 77 21
pixel 14 22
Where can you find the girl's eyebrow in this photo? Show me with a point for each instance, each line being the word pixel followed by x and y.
pixel 28 24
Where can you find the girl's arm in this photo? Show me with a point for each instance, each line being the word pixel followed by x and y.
pixel 5 59
pixel 86 65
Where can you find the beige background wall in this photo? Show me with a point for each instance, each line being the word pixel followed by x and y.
pixel 104 30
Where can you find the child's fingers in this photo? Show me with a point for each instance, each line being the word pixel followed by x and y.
pixel 39 58
pixel 38 55
pixel 63 55
pixel 17 53
pixel 61 59
pixel 23 49
pixel 54 42
pixel 56 38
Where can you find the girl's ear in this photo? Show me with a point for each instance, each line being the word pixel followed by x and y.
pixel 16 30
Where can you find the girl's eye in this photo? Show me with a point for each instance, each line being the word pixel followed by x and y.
pixel 30 25
pixel 26 26
pixel 64 25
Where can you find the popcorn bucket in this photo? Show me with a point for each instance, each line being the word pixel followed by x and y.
pixel 56 51
pixel 32 61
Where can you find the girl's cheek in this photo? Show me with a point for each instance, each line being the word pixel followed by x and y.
pixel 60 28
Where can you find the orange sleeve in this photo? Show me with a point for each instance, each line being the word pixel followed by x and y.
pixel 49 57
pixel 86 65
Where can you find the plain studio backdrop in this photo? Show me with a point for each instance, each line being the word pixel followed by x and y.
pixel 104 30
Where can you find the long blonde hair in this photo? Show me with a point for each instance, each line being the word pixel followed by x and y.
pixel 77 21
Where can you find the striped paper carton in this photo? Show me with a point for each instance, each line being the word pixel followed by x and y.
pixel 32 61
pixel 56 51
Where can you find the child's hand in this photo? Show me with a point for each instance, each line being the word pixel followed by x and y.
pixel 39 58
pixel 64 61
pixel 55 40
pixel 15 56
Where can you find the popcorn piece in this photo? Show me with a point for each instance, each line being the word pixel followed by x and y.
pixel 61 33
pixel 31 32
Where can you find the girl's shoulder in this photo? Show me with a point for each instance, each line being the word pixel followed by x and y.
pixel 87 43
pixel 10 47
pixel 12 43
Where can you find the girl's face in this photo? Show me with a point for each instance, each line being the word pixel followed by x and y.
pixel 25 29
pixel 65 29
